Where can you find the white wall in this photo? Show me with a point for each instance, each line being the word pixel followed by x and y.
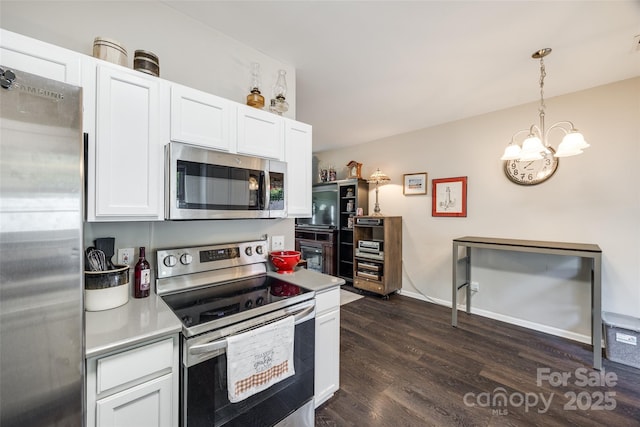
pixel 592 198
pixel 189 52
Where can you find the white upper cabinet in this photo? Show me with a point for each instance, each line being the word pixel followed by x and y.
pixel 260 133
pixel 298 155
pixel 40 58
pixel 125 171
pixel 202 119
pixel 130 116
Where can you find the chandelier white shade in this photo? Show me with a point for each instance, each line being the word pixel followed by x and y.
pixel 537 141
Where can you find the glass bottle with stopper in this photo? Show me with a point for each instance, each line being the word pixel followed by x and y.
pixel 255 99
pixel 280 105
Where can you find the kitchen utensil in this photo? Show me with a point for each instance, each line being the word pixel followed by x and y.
pixel 106 245
pixel 95 259
pixel 106 289
pixel 284 261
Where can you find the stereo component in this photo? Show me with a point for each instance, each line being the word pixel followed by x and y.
pixel 368 221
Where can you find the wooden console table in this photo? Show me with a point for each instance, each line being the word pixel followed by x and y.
pixel 586 251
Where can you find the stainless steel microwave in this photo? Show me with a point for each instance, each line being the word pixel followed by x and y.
pixel 208 184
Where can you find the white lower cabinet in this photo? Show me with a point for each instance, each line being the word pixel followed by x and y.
pixel 327 359
pixel 134 387
pixel 148 404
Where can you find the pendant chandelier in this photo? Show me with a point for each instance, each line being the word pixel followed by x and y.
pixel 537 141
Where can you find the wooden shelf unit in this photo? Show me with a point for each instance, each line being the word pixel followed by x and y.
pixel 379 274
pixel 354 192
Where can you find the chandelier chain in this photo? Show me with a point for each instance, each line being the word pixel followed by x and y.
pixel 543 74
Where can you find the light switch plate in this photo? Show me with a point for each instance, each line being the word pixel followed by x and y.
pixel 277 243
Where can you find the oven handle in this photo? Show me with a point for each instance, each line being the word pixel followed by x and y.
pixel 222 343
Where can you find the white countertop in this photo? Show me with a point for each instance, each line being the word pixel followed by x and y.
pixel 309 279
pixel 141 320
pixel 137 321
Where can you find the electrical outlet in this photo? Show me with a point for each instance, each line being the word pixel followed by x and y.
pixel 475 286
pixel 125 256
pixel 277 243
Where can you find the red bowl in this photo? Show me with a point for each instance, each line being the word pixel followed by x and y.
pixel 284 261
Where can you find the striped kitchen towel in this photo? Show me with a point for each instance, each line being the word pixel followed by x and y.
pixel 259 358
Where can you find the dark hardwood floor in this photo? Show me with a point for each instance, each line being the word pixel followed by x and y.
pixel 402 364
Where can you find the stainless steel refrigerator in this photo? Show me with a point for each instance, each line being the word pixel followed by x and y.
pixel 41 199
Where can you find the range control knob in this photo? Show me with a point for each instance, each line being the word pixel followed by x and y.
pixel 170 261
pixel 259 301
pixel 186 259
pixel 259 249
pixel 248 251
pixel 248 304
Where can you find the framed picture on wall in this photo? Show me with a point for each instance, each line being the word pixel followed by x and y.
pixel 449 197
pixel 414 183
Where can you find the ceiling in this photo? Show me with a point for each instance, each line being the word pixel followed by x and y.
pixel 371 69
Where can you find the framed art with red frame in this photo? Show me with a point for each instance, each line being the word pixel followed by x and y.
pixel 449 197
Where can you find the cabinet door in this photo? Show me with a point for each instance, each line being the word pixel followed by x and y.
pixel 201 118
pixel 129 176
pixel 298 140
pixel 36 57
pixel 146 405
pixel 259 133
pixel 327 359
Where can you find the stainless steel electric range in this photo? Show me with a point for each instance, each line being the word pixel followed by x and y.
pixel 221 290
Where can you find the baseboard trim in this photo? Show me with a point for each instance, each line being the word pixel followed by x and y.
pixel 503 318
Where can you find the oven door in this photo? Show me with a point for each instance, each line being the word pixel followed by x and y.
pixel 205 184
pixel 204 379
pixel 314 257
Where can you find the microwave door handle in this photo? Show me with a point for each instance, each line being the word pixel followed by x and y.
pixel 208 347
pixel 266 190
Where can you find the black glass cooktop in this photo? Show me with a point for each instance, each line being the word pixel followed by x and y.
pixel 200 306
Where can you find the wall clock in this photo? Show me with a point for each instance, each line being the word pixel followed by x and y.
pixel 355 169
pixel 531 172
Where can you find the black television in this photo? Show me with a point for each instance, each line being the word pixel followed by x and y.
pixel 324 207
